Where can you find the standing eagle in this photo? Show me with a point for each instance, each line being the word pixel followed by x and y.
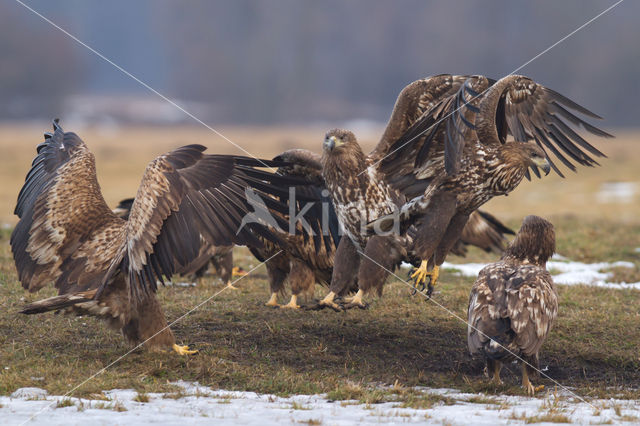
pixel 513 303
pixel 305 263
pixel 444 153
pixel 105 266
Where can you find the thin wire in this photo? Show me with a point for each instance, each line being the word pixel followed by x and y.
pixel 142 343
pixel 453 314
pixel 485 90
pixel 142 83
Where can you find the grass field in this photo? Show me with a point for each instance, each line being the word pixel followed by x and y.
pixel 594 347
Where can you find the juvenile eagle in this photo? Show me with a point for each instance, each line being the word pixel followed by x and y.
pixel 513 303
pixel 443 154
pixel 105 266
pixel 304 263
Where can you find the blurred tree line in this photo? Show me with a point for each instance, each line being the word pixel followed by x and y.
pixel 301 60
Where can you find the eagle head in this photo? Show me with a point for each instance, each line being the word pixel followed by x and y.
pixel 337 140
pixel 535 241
pixel 537 157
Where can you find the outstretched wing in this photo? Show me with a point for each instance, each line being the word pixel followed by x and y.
pixel 186 194
pixel 405 154
pixel 517 106
pixel 531 111
pixel 66 231
pixel 321 215
pixel 413 101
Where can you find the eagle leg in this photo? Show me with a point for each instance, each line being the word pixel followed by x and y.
pixel 356 301
pixel 183 350
pixel 238 272
pixel 419 277
pixel 273 300
pixel 328 301
pixel 231 286
pixel 493 368
pixel 526 384
pixel 293 303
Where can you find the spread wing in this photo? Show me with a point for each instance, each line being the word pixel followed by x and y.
pixel 513 106
pixel 320 215
pixel 66 231
pixel 405 153
pixel 185 195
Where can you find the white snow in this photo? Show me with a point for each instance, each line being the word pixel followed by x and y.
pixel 617 192
pixel 564 272
pixel 201 405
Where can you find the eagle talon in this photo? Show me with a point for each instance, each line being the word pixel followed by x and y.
pixel 231 286
pixel 293 303
pixel 273 301
pixel 419 277
pixel 238 272
pixel 355 301
pixel 184 350
pixel 330 301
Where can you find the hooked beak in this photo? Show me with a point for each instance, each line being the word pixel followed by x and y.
pixel 329 143
pixel 544 164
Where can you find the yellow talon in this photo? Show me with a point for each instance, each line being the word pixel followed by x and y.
pixel 231 286
pixel 293 303
pixel 420 274
pixel 183 350
pixel 539 388
pixel 273 300
pixel 238 272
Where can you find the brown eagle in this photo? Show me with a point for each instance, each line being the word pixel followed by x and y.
pixel 105 266
pixel 220 257
pixel 513 303
pixel 303 263
pixel 444 153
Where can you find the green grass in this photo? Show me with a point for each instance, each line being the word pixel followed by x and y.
pixel 399 340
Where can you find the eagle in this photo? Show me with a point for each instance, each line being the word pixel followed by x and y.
pixel 513 303
pixel 108 267
pixel 304 262
pixel 451 144
pixel 220 257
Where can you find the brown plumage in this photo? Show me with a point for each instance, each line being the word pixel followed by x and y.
pixel 457 155
pixel 513 303
pixel 435 165
pixel 220 257
pixel 108 267
pixel 303 262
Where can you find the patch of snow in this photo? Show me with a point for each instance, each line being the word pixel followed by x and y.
pixel 201 405
pixel 616 192
pixel 564 272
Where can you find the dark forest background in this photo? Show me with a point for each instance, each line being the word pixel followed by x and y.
pixel 294 61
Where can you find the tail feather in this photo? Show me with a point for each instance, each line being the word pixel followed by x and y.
pixel 59 302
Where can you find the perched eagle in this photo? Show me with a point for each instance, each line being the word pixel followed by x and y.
pixel 444 153
pixel 105 266
pixel 220 257
pixel 513 303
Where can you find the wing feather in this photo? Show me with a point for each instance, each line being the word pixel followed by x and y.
pixel 66 231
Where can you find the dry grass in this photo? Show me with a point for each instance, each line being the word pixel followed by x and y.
pixel 246 346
